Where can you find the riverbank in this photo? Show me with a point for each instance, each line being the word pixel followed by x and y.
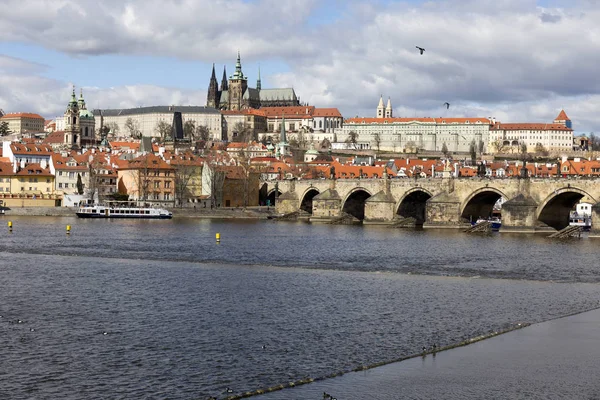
pixel 552 359
pixel 221 213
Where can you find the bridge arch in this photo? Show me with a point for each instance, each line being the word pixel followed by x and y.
pixel 354 204
pixel 554 211
pixel 480 203
pixel 413 204
pixel 306 202
pixel 272 196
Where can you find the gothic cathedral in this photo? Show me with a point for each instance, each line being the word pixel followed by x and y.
pixel 236 95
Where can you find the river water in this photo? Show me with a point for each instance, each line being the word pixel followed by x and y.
pixel 158 309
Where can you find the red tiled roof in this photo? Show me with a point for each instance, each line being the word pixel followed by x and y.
pixel 327 112
pixel 34 169
pixel 289 112
pixel 530 126
pixel 6 168
pixel 130 145
pixel 147 161
pixel 37 149
pixel 55 137
pixel 562 116
pixel 22 115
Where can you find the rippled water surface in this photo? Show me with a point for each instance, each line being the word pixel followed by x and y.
pixel 157 309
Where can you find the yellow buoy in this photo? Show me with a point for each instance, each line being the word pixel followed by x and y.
pixel 68 229
pixel 218 236
pixel 10 224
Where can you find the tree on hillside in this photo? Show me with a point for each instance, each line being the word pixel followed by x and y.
pixel 113 127
pixel 377 140
pixel 4 128
pixel 189 129
pixel 202 133
pixel 132 127
pixel 242 133
pixel 352 139
pixel 445 150
pixel 163 129
pixel 481 147
pixel 473 152
pixel 213 178
pixel 541 150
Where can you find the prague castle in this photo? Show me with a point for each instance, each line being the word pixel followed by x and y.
pixel 234 93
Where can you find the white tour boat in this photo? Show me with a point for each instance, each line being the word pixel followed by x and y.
pixel 121 210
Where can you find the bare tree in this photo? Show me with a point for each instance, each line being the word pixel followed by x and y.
pixel 189 129
pixel 213 178
pixel 377 140
pixel 352 139
pixel 133 128
pixel 202 133
pixel 499 146
pixel 301 139
pixel 183 175
pixel 445 150
pixel 242 132
pixel 113 127
pixel 472 152
pixel 163 129
pixel 541 150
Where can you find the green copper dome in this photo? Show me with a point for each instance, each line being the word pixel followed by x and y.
pixel 85 114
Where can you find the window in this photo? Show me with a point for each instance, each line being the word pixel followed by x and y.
pixel 156 184
pixel 167 184
pixel 60 185
pixel 167 196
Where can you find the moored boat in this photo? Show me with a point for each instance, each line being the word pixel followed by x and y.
pixel 122 211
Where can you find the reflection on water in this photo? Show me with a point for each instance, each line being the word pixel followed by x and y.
pixel 185 317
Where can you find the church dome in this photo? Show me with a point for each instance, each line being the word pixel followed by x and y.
pixel 86 114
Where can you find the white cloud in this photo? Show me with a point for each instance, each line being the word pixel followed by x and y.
pixel 506 58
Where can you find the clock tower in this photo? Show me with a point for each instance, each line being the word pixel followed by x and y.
pixel 72 130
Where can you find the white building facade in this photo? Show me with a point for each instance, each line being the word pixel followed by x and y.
pixel 147 119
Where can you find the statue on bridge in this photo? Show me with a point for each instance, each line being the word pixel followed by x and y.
pixel 332 172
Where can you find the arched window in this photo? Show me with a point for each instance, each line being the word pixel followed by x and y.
pixel 86 131
pixel 74 120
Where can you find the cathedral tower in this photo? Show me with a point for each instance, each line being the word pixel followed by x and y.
pixel 224 86
pixel 213 96
pixel 238 84
pixel 258 84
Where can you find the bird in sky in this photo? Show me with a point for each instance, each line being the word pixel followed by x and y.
pixel 421 50
pixel 447 105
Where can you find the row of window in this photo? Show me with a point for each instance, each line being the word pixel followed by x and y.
pixel 157 184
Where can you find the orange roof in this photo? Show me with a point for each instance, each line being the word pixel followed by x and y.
pixel 562 116
pixel 34 169
pixel 6 168
pixel 37 149
pixel 22 115
pixel 237 145
pixel 147 161
pixel 530 126
pixel 289 112
pixel 327 112
pixel 55 137
pixel 130 145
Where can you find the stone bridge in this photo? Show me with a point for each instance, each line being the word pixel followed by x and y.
pixel 531 204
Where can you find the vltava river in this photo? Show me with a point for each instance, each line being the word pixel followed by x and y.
pixel 158 309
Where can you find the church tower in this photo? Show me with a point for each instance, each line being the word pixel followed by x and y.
pixel 380 108
pixel 238 84
pixel 72 130
pixel 388 109
pixel 212 98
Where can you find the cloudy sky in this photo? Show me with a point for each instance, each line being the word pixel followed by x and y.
pixel 516 60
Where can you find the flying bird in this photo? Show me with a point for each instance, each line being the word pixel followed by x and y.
pixel 421 50
pixel 447 105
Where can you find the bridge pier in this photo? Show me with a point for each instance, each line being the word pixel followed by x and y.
pixel 287 203
pixel 443 211
pixel 519 214
pixel 595 231
pixel 379 208
pixel 326 206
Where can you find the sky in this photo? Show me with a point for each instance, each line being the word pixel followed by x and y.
pixel 515 60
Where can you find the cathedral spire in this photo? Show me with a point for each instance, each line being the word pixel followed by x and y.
pixel 238 74
pixel 81 100
pixel 213 76
pixel 224 80
pixel 380 108
pixel 258 85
